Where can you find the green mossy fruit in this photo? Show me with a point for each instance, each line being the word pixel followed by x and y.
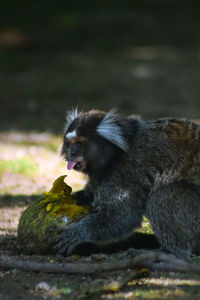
pixel 41 219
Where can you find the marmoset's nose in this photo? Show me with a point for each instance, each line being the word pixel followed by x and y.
pixel 74 150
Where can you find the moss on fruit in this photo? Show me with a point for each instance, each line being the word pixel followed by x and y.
pixel 41 219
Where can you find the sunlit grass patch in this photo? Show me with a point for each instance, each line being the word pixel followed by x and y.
pixel 44 140
pixel 158 293
pixel 24 165
pixel 50 146
pixel 149 293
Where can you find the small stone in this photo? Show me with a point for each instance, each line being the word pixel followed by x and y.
pixel 42 286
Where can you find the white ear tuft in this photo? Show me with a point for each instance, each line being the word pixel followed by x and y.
pixel 112 131
pixel 71 116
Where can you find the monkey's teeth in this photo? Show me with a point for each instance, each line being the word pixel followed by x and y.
pixel 71 164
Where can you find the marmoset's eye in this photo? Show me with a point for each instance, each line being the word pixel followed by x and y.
pixel 66 142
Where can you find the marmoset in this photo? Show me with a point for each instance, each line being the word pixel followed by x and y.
pixel 135 168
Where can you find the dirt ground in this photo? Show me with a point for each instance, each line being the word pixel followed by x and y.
pixel 143 59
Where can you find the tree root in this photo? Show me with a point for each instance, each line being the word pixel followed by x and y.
pixel 151 260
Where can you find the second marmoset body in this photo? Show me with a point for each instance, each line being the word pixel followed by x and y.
pixel 135 168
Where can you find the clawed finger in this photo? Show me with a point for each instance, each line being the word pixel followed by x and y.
pixel 62 251
pixel 53 240
pixel 59 248
pixel 60 229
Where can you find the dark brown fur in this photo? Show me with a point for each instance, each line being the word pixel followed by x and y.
pixel 135 169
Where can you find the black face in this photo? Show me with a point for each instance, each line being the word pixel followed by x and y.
pixel 93 157
pixel 85 150
pixel 73 151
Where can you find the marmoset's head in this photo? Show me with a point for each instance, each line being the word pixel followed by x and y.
pixel 93 140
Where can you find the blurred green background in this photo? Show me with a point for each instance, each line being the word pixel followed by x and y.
pixel 142 56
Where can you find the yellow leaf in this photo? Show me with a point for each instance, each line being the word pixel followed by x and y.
pixel 59 186
pixel 114 286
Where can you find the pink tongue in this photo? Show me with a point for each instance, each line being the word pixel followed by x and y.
pixel 71 164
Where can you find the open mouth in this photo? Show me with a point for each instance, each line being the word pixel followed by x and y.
pixel 77 165
pixel 71 165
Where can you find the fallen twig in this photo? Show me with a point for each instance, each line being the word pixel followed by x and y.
pixel 115 285
pixel 150 260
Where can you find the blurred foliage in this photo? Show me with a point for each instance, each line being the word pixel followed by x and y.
pixel 57 55
pixel 77 22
